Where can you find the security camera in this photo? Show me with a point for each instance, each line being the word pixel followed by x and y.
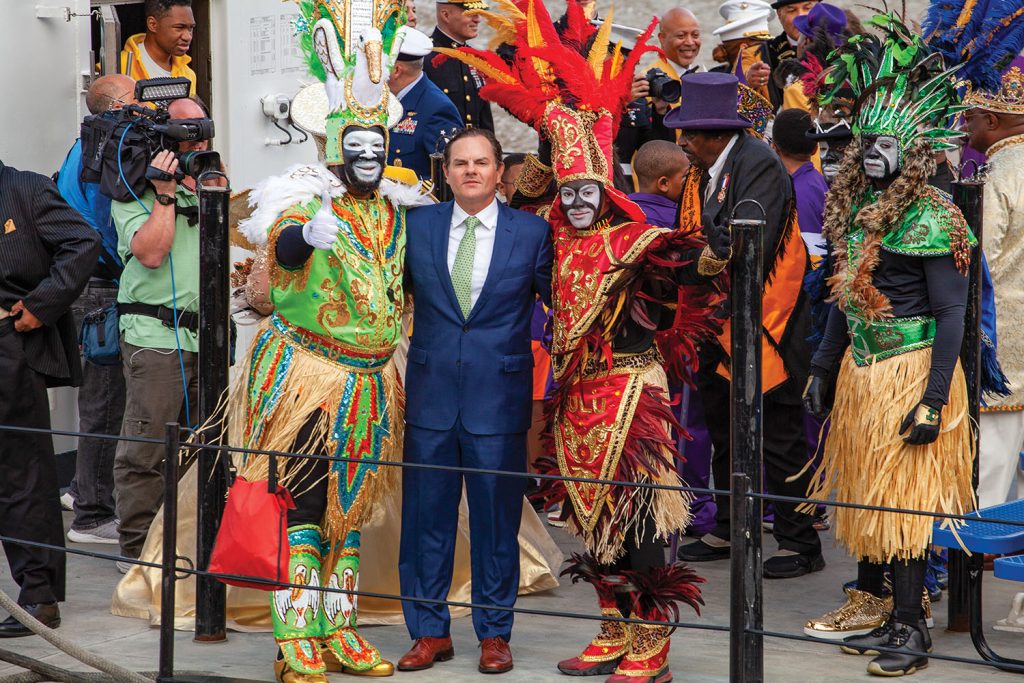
pixel 277 106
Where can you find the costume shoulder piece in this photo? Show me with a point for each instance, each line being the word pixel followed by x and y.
pixel 303 183
pixel 932 226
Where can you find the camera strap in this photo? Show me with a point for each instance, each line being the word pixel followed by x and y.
pixel 191 213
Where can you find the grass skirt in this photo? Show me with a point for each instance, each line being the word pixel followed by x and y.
pixel 356 414
pixel 867 462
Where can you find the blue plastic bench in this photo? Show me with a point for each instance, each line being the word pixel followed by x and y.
pixel 982 537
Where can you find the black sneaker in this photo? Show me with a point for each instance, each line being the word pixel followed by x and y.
pixel 699 551
pixel 910 644
pixel 792 566
pixel 868 643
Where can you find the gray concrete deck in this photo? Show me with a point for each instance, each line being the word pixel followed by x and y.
pixel 538 642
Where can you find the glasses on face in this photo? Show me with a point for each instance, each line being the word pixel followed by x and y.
pixel 120 101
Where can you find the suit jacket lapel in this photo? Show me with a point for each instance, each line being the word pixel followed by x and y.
pixel 714 205
pixel 442 226
pixel 503 241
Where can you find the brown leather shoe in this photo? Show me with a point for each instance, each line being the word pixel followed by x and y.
pixel 495 656
pixel 426 651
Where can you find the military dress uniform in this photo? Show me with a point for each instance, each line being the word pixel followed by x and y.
pixel 427 113
pixel 460 83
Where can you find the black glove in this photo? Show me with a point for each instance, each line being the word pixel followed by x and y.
pixel 718 236
pixel 924 423
pixel 815 402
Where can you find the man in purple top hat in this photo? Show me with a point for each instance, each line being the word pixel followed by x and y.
pixel 730 166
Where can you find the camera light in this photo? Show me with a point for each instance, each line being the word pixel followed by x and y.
pixel 162 89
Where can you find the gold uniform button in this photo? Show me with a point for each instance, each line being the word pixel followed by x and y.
pixel 446 91
pixel 465 78
pixel 467 98
pixel 469 117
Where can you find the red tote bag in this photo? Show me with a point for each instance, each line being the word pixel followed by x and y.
pixel 253 537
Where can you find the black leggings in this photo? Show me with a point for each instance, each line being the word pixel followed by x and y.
pixel 645 553
pixel 310 487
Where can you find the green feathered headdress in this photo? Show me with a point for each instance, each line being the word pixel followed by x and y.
pixel 902 87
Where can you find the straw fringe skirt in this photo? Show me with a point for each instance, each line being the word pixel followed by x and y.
pixel 287 386
pixel 867 462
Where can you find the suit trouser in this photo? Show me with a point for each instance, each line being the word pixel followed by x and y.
pixel 785 454
pixel 29 492
pixel 155 396
pixel 430 517
pixel 1002 440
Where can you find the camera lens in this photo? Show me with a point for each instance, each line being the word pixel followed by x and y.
pixel 196 163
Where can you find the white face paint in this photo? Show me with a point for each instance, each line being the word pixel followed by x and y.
pixel 581 201
pixel 881 156
pixel 364 153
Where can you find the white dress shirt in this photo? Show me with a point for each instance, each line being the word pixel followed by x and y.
pixel 485 232
pixel 716 168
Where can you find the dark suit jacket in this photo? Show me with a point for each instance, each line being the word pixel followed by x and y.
pixel 476 368
pixel 427 112
pixel 460 83
pixel 753 171
pixel 47 253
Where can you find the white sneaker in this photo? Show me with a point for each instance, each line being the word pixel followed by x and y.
pixel 67 502
pixel 123 567
pixel 104 533
pixel 554 517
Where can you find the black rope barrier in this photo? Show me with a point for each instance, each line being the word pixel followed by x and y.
pixel 782 635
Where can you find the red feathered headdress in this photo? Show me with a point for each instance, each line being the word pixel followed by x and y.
pixel 575 100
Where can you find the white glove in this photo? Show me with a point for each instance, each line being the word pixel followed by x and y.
pixel 323 228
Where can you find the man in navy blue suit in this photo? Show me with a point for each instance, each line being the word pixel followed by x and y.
pixel 428 111
pixel 475 269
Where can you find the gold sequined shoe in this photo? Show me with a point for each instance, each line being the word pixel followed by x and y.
pixel 926 609
pixel 335 665
pixel 862 613
pixel 286 674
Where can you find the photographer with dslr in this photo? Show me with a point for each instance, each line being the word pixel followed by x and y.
pixel 158 239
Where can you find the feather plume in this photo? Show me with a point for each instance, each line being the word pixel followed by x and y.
pixel 658 591
pixel 599 49
pixel 980 37
pixel 487 63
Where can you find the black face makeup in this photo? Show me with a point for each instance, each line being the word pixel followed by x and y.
pixel 832 153
pixel 882 158
pixel 364 153
pixel 581 201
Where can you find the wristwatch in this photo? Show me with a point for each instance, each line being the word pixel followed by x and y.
pixel 165 199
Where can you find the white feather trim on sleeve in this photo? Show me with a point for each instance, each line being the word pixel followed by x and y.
pixel 273 196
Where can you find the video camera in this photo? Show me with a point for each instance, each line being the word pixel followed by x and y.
pixel 118 146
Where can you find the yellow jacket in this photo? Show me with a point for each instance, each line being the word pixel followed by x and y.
pixel 132 66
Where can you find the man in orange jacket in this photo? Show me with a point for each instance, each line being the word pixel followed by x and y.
pixel 161 50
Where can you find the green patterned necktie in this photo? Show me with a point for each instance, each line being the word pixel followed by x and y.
pixel 462 270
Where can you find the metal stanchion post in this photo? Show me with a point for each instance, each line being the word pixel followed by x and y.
pixel 170 553
pixel 967 195
pixel 214 349
pixel 747 280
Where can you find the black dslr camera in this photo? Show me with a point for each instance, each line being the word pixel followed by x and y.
pixel 661 86
pixel 118 146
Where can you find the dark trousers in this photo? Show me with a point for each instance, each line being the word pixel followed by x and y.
pixel 29 493
pixel 641 555
pixel 100 409
pixel 155 396
pixel 430 517
pixel 785 454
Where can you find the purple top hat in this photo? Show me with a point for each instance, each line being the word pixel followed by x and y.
pixel 708 103
pixel 822 15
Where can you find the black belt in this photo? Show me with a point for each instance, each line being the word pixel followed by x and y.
pixel 186 319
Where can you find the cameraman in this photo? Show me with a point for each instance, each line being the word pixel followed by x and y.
pixel 101 397
pixel 158 239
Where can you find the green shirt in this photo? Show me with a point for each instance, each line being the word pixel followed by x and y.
pixel 153 285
